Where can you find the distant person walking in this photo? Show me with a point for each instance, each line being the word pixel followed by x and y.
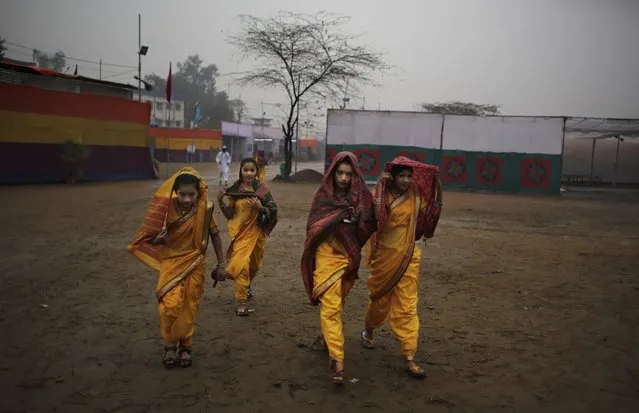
pixel 223 160
pixel 261 165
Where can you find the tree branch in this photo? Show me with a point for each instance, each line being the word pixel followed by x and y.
pixel 304 54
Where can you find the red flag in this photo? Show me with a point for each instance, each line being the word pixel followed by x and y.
pixel 168 85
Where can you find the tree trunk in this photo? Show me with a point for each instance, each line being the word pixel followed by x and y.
pixel 288 156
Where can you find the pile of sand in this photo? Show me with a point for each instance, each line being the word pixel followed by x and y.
pixel 305 176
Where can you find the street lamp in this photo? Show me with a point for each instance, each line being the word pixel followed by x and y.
pixel 142 51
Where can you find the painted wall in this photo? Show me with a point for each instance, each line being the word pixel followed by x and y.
pixel 487 153
pixel 207 143
pixel 35 122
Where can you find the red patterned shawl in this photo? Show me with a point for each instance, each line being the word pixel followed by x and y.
pixel 326 217
pixel 426 183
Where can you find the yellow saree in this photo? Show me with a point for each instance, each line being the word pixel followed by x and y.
pixel 331 289
pixel 261 176
pixel 181 261
pixel 246 252
pixel 394 279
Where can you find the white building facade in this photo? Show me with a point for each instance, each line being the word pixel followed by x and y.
pixel 165 114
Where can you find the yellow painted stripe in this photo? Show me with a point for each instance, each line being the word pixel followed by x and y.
pixel 181 144
pixel 35 128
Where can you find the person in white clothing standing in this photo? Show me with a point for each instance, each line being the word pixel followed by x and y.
pixel 223 160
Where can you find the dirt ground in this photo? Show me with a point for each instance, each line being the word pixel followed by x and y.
pixel 528 304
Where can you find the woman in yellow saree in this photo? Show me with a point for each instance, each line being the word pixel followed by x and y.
pixel 261 165
pixel 340 222
pixel 408 205
pixel 252 215
pixel 173 240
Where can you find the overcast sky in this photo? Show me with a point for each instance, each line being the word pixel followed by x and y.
pixel 532 57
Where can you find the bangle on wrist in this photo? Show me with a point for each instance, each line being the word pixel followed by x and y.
pixel 221 265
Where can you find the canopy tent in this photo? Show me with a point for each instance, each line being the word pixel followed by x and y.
pixel 596 128
pixel 621 130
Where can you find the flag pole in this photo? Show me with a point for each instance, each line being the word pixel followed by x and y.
pixel 168 139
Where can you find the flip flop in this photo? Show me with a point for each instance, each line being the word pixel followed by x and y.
pixel 366 342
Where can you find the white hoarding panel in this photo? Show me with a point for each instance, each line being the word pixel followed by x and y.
pixel 353 127
pixel 339 128
pixel 503 134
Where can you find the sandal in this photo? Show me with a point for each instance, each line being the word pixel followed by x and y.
pixel 414 370
pixel 365 341
pixel 242 310
pixel 338 375
pixel 167 360
pixel 185 361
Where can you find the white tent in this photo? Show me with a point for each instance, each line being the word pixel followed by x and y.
pixel 596 128
pixel 622 130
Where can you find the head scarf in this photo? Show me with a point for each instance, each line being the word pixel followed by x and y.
pixel 156 217
pixel 425 183
pixel 326 216
pixel 268 219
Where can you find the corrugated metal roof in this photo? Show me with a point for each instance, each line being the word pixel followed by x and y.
pixel 52 80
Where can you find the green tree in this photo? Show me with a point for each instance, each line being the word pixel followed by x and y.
pixel 56 61
pixel 3 47
pixel 460 108
pixel 304 55
pixel 195 82
pixel 240 111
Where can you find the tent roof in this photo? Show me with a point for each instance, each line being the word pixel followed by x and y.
pixel 597 128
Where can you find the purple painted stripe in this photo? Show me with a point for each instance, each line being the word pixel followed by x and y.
pixel 22 163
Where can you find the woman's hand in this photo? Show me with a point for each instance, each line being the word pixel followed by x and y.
pixel 219 274
pixel 220 195
pixel 354 215
pixel 160 238
pixel 255 204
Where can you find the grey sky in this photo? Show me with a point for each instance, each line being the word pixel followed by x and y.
pixel 532 57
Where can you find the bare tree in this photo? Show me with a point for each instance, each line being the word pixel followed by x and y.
pixel 460 108
pixel 305 55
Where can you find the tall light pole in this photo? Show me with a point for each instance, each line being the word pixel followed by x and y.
pixel 142 50
pixel 140 57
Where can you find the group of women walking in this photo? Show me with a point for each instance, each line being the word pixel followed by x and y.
pixel 345 218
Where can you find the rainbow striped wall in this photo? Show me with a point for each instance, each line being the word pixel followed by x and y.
pixel 35 122
pixel 492 153
pixel 207 142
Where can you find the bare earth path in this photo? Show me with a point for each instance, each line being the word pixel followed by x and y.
pixel 528 304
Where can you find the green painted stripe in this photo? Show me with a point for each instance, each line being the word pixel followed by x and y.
pixel 512 165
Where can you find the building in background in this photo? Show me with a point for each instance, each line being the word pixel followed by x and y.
pixel 37 122
pixel 165 114
pixel 173 144
pixel 43 78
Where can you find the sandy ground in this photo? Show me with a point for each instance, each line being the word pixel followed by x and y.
pixel 528 304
